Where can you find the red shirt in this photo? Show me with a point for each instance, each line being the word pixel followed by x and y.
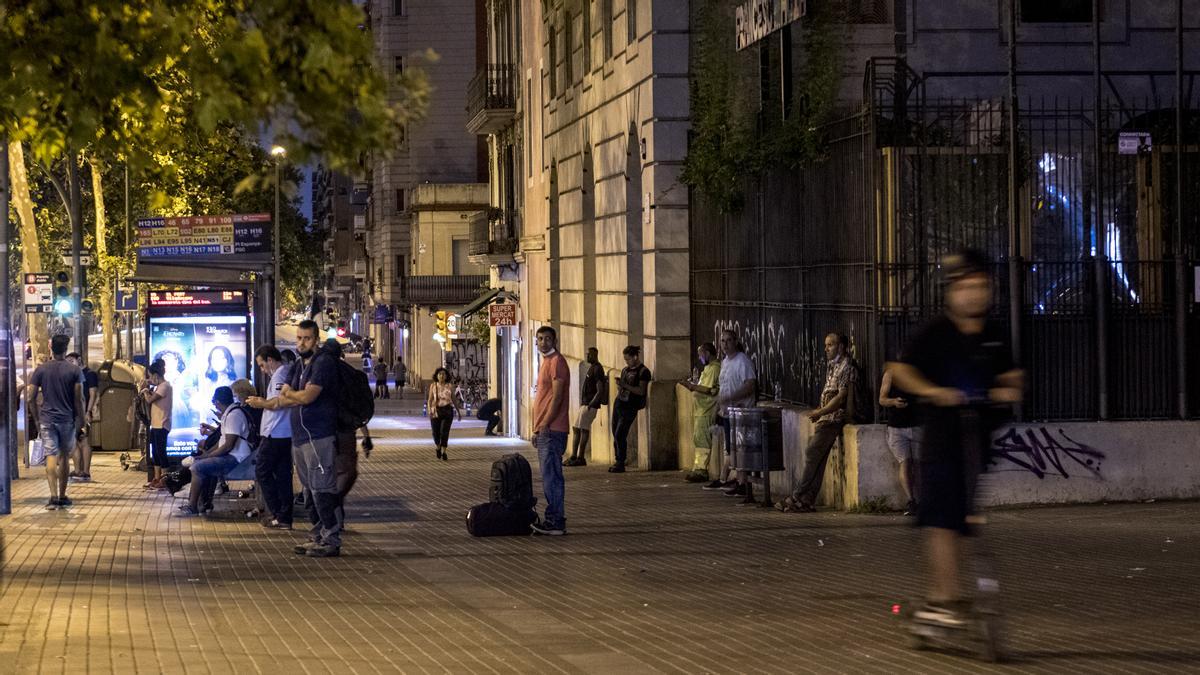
pixel 553 368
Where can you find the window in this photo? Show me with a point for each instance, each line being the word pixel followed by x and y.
pixel 1056 11
pixel 587 36
pixel 397 7
pixel 631 10
pixel 568 50
pixel 401 269
pixel 552 67
pixel 399 200
pixel 606 27
pixel 399 65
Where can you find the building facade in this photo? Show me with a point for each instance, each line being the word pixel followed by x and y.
pixel 585 107
pixel 436 150
pixel 339 208
pixel 1050 141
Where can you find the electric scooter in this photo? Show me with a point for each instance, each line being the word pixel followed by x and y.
pixel 981 629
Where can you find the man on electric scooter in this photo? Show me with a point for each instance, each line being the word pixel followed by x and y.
pixel 957 360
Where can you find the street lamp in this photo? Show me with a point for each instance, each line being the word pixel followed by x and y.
pixel 279 153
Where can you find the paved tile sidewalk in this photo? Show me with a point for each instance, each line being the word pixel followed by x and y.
pixel 655 576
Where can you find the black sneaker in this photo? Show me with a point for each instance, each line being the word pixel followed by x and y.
pixel 715 485
pixel 65 501
pixel 911 509
pixel 302 549
pixel 52 505
pixel 616 468
pixel 739 490
pixel 324 551
pixel 543 529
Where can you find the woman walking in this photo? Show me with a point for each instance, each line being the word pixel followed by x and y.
pixel 443 406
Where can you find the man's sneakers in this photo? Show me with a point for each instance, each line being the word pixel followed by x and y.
pixel 616 468
pixel 187 511
pixel 721 485
pixel 738 490
pixel 302 549
pixel 78 477
pixel 323 551
pixel 940 614
pixel 276 524
pixel 56 503
pixel 52 505
pixel 575 461
pixel 540 527
pixel 911 508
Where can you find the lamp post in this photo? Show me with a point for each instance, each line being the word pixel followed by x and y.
pixel 278 152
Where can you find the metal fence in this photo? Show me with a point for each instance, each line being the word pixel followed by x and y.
pixel 854 243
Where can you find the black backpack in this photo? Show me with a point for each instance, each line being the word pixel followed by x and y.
pixel 512 483
pixel 254 422
pixel 355 398
pixel 493 520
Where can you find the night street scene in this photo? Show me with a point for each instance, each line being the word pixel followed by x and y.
pixel 600 336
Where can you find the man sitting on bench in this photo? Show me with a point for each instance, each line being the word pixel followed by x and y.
pixel 210 465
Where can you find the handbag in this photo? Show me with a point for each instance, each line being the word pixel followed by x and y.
pixel 37 453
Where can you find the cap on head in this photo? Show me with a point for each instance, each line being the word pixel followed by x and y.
pixel 964 263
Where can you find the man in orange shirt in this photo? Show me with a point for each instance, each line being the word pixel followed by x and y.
pixel 550 426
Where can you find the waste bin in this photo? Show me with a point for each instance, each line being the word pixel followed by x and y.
pixel 114 426
pixel 757 435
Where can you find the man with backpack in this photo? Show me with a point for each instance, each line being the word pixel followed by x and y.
pixel 239 434
pixel 833 414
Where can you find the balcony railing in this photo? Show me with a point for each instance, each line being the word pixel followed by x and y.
pixel 437 290
pixel 495 233
pixel 491 99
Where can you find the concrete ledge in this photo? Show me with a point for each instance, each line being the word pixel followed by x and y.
pixel 1036 463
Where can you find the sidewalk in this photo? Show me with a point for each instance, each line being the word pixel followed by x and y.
pixel 655 576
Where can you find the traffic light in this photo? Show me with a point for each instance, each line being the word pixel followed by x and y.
pixel 64 303
pixel 341 328
pixel 442 334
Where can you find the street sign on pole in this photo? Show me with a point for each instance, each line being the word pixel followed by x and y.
pixel 85 257
pixel 39 293
pixel 500 315
pixel 127 300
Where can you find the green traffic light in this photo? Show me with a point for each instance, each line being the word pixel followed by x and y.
pixel 63 306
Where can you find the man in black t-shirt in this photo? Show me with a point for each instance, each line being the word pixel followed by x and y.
pixel 593 393
pixel 83 446
pixel 961 365
pixel 633 386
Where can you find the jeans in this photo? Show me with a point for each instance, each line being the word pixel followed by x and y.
pixel 825 434
pixel 205 474
pixel 315 464
pixel 274 475
pixel 57 437
pixel 623 418
pixel 441 425
pixel 550 448
pixel 157 440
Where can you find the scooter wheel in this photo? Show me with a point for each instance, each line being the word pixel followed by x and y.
pixel 918 642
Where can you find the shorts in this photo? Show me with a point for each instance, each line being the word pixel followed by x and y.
pixel 904 442
pixel 57 437
pixel 587 415
pixel 157 439
pixel 945 500
pixel 723 422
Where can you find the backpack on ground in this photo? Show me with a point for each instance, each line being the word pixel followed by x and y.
pixel 491 519
pixel 512 483
pixel 859 408
pixel 253 423
pixel 177 480
pixel 355 398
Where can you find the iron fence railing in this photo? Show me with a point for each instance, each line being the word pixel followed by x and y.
pixel 494 232
pixel 492 88
pixel 438 290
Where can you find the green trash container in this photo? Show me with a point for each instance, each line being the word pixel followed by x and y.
pixel 114 426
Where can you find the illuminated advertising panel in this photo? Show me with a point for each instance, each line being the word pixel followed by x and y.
pixel 203 339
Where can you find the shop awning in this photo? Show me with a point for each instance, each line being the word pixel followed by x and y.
pixel 479 303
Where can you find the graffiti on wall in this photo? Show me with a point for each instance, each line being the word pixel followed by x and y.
pixel 1043 453
pixel 779 358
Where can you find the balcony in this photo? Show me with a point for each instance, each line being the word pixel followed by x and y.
pixel 433 290
pixel 491 99
pixel 495 236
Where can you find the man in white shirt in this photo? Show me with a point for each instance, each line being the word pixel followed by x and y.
pixel 737 388
pixel 210 465
pixel 273 470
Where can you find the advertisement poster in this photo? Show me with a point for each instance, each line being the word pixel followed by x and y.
pixel 201 353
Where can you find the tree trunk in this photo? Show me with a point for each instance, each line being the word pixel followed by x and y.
pixel 31 253
pixel 107 266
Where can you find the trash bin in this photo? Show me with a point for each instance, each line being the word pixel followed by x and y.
pixel 757 435
pixel 114 426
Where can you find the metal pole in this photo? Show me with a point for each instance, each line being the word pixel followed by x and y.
pixel 129 255
pixel 7 363
pixel 1100 260
pixel 1015 268
pixel 1181 364
pixel 273 303
pixel 76 207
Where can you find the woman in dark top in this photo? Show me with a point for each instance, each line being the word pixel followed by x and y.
pixel 443 405
pixel 632 387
